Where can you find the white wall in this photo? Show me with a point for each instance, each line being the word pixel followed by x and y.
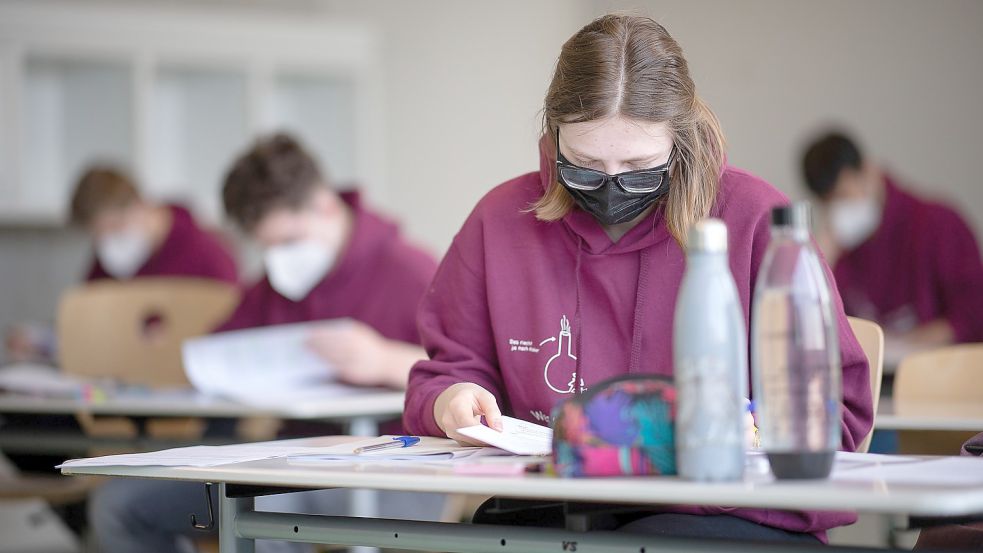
pixel 905 75
pixel 464 84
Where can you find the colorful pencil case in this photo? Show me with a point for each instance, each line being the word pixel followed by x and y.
pixel 623 426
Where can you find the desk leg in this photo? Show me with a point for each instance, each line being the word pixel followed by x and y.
pixel 365 503
pixel 229 509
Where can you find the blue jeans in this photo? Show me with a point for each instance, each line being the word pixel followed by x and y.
pixel 151 516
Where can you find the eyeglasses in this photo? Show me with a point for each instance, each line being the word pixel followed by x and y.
pixel 641 181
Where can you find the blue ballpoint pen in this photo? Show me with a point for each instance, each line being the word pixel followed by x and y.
pixel 398 442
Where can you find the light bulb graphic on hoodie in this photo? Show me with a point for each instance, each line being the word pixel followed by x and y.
pixel 562 367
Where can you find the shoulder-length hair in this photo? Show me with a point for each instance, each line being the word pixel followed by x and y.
pixel 629 66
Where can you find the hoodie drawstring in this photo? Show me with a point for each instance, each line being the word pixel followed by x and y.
pixel 641 287
pixel 578 325
pixel 641 290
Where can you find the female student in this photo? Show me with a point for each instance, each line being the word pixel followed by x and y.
pixel 589 249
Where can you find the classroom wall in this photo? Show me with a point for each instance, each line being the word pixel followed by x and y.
pixel 36 264
pixel 465 84
pixel 465 80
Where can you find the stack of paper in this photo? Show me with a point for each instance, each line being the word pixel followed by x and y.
pixel 195 456
pixel 428 450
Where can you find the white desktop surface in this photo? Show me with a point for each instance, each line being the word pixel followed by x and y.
pixel 758 490
pixel 192 404
pixel 937 416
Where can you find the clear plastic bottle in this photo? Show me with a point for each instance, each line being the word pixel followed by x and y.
pixel 710 359
pixel 795 353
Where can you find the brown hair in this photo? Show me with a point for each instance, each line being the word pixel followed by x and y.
pixel 629 66
pixel 276 172
pixel 101 188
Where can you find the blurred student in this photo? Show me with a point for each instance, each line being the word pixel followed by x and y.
pixel 591 245
pixel 135 237
pixel 326 256
pixel 132 237
pixel 910 264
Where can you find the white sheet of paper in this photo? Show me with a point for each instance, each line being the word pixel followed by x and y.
pixel 517 436
pixel 256 364
pixel 430 449
pixel 39 380
pixel 196 456
pixel 903 469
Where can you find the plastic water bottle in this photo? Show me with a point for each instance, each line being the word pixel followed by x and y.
pixel 710 358
pixel 795 353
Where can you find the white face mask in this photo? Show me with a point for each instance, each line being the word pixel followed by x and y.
pixel 122 253
pixel 295 269
pixel 853 221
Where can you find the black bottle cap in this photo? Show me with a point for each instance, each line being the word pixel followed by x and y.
pixel 796 215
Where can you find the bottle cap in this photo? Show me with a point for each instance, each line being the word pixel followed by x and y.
pixel 796 215
pixel 709 236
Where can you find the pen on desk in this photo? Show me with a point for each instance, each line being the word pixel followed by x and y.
pixel 397 442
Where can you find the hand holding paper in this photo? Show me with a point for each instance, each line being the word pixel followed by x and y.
pixel 463 404
pixel 363 357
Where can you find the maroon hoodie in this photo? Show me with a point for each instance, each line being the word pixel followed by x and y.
pixel 187 251
pixel 921 264
pixel 493 313
pixel 379 279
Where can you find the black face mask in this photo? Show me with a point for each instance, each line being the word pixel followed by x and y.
pixel 611 205
pixel 613 199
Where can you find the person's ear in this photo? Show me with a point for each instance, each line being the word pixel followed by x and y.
pixel 872 179
pixel 324 201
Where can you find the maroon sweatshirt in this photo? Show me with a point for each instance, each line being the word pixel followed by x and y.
pixel 187 251
pixel 379 279
pixel 921 264
pixel 493 313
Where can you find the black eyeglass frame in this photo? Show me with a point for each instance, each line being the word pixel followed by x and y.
pixel 661 170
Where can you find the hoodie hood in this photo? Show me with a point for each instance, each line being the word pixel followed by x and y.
pixel 584 228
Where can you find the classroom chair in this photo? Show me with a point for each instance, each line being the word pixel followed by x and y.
pixel 871 339
pixel 132 332
pixel 946 377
